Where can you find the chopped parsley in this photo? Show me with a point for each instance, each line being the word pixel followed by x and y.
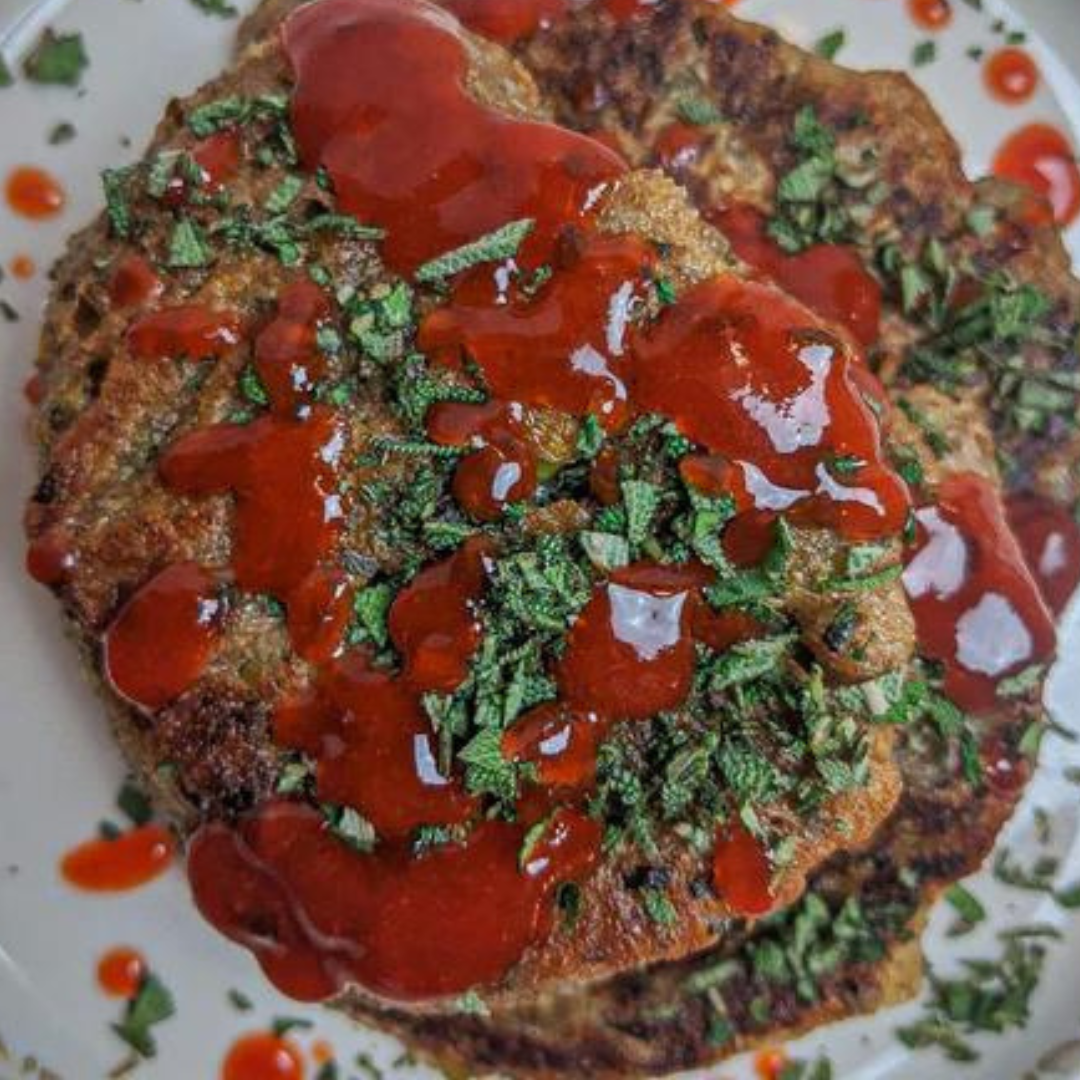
pixel 222 8
pixel 925 52
pixel 988 996
pixel 57 59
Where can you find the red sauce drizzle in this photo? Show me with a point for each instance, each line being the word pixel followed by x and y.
pixel 282 472
pixel 507 22
pixel 287 356
pixel 781 419
pixel 1011 75
pixel 463 170
pixel 129 861
pixel 317 916
pixel 261 1055
pixel 1050 539
pixel 561 743
pixel 502 468
pixel 34 193
pixel 930 14
pixel 187 331
pixel 830 280
pixel 164 636
pixel 977 608
pixel 1042 158
pixel 433 623
pixel 741 871
pixel 374 749
pixel 318 615
pixel 34 389
pixel 134 283
pixel 120 972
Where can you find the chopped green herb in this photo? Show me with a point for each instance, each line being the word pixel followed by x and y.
pixel 501 244
pixel 830 44
pixel 188 247
pixel 57 59
pixel 924 53
pixel 970 912
pixel 60 133
pixel 151 1005
pixel 698 110
pixel 221 8
pixel 134 804
pixel 240 1001
pixel 349 826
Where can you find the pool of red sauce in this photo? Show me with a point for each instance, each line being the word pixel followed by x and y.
pixel 34 193
pixel 1042 158
pixel 315 912
pixel 1011 75
pixel 131 860
pixel 1050 539
pixel 262 1055
pixel 978 609
pixel 120 972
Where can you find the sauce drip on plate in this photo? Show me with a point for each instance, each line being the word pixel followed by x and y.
pixel 34 193
pixel 1050 539
pixel 128 862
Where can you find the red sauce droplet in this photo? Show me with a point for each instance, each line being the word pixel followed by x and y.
pixel 507 22
pixel 1004 770
pixel 830 280
pixel 34 193
pixel 287 355
pixel 1050 539
pixel 262 1055
pixel 930 14
pixel 977 608
pixel 188 331
pixel 120 972
pixel 502 468
pixel 770 1064
pixel 1041 158
pixel 782 419
pixel 561 744
pixel 23 267
pixel 134 282
pixel 49 558
pixel 34 389
pixel 464 170
pixel 283 472
pixel 164 636
pixel 433 623
pixel 1011 75
pixel 630 655
pixel 678 146
pixel 374 749
pixel 317 915
pixel 129 861
pixel 321 1052
pixel 741 871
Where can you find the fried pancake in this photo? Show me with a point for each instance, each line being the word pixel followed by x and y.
pixel 107 415
pixel 631 81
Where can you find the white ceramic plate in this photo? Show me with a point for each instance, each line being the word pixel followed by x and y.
pixel 59 771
